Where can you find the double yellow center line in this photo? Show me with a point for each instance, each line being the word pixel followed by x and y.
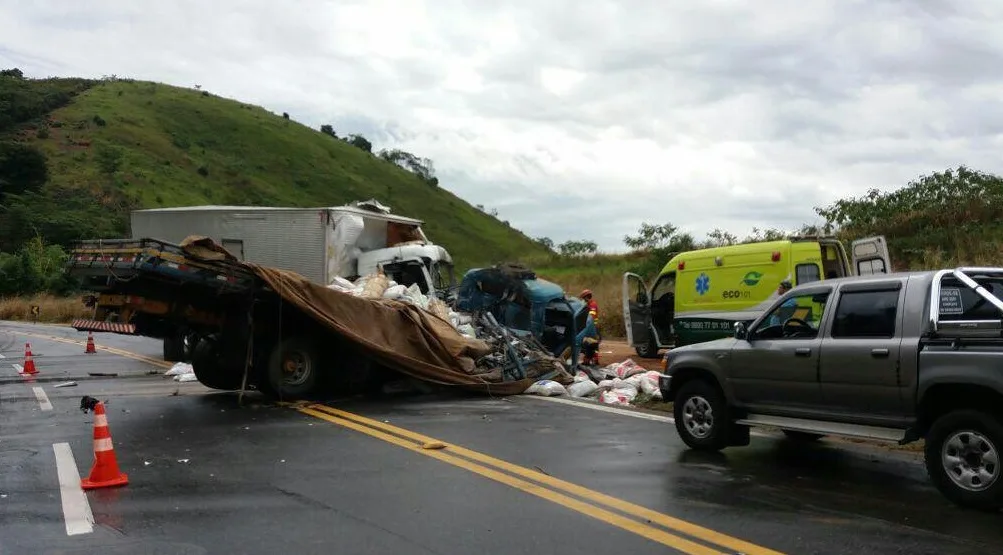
pixel 678 534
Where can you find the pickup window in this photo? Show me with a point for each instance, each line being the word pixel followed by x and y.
pixel 866 314
pixel 960 302
pixel 796 318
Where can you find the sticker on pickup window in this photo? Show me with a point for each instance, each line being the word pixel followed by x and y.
pixel 950 301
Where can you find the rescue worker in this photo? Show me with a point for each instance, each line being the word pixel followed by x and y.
pixel 590 346
pixel 782 290
pixel 586 296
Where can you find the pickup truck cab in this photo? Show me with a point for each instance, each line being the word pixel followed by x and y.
pixel 893 357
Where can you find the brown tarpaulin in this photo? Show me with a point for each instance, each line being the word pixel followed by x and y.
pixel 399 335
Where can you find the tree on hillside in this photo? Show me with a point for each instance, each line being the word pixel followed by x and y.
pixel 22 168
pixel 358 141
pixel 422 167
pixel 956 212
pixel 577 248
pixel 14 72
pixel 546 242
pixel 328 130
pixel 651 237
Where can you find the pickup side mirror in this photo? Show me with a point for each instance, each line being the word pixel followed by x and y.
pixel 741 330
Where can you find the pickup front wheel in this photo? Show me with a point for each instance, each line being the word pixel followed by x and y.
pixel 701 416
pixel 963 458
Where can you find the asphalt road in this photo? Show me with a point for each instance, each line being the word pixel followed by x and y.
pixel 511 475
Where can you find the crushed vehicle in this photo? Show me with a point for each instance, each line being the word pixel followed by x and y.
pixel 895 357
pixel 321 244
pixel 284 334
pixel 528 306
pixel 699 295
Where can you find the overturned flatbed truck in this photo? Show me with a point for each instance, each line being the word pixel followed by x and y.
pixel 268 328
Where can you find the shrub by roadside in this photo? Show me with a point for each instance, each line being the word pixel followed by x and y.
pixel 51 309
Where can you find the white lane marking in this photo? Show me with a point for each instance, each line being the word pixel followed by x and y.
pixel 43 399
pixel 76 508
pixel 605 408
pixel 18 368
pixel 622 412
pixel 1 356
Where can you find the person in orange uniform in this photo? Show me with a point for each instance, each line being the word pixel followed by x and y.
pixel 586 296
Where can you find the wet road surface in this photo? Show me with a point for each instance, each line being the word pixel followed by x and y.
pixel 517 475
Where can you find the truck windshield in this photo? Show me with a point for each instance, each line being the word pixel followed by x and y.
pixel 442 276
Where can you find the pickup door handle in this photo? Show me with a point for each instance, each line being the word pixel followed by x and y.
pixel 879 353
pixel 802 352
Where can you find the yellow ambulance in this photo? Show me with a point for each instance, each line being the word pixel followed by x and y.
pixel 700 295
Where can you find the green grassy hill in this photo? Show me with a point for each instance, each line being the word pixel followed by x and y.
pixel 114 145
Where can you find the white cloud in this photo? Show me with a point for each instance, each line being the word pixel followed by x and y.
pixel 581 120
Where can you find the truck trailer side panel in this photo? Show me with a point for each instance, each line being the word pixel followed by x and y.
pixel 290 239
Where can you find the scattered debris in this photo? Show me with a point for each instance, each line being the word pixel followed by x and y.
pixel 103 374
pixel 615 384
pixel 434 445
pixel 66 384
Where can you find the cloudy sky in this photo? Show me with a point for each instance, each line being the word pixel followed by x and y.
pixel 580 120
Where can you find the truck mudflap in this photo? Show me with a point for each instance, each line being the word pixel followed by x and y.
pixel 97 325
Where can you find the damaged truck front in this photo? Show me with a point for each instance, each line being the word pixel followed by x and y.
pixel 528 305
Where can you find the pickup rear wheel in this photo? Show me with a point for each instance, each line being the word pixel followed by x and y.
pixel 963 456
pixel 701 415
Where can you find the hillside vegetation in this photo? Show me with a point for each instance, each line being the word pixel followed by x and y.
pixel 77 155
pixel 947 218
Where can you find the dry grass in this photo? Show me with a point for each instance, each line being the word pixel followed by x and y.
pixel 52 309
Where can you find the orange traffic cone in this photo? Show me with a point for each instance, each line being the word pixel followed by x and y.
pixel 29 363
pixel 105 472
pixel 90 343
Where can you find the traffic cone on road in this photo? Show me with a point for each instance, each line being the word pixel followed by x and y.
pixel 105 472
pixel 90 343
pixel 29 363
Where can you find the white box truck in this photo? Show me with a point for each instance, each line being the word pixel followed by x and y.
pixel 320 244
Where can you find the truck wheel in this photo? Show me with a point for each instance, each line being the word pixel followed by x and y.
pixel 293 368
pixel 803 437
pixel 174 348
pixel 180 347
pixel 701 415
pixel 963 458
pixel 647 350
pixel 211 370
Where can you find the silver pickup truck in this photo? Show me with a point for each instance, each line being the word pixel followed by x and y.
pixel 893 357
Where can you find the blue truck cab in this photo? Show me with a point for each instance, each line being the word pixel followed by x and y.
pixel 526 304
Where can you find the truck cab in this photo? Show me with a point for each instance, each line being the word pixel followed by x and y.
pixel 427 265
pixel 528 305
pixel 720 286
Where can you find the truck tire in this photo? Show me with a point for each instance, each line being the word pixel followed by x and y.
pixel 963 457
pixel 212 370
pixel 174 348
pixel 647 350
pixel 292 369
pixel 701 415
